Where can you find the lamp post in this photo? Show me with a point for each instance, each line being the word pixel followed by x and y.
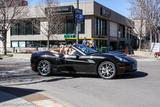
pixel 77 26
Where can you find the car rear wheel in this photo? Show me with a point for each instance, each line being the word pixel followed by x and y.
pixel 107 70
pixel 44 67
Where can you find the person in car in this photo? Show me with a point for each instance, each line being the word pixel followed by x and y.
pixel 70 51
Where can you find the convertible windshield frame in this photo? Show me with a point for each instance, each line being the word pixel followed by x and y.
pixel 84 49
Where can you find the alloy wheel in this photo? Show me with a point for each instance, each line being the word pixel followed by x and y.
pixel 107 70
pixel 44 68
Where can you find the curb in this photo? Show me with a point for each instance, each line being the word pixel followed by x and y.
pixel 33 100
pixel 24 83
pixel 41 100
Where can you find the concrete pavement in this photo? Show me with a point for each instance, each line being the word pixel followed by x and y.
pixel 144 54
pixel 26 99
pixel 9 100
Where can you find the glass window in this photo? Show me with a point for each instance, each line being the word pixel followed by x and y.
pixel 122 31
pixel 22 44
pixel 101 27
pixel 36 26
pixel 14 44
pixel 21 28
pixel 14 29
pixel 30 27
pixel 104 27
pixel 70 26
pixel 82 28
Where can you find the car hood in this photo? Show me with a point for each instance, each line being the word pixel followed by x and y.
pixel 116 54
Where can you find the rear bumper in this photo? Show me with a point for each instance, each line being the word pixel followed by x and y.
pixel 126 68
pixel 34 67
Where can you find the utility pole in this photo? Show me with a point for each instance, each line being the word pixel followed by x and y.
pixel 77 26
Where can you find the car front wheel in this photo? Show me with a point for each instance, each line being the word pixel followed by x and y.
pixel 44 67
pixel 107 70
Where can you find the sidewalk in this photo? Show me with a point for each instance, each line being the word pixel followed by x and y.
pixel 144 54
pixel 33 100
pixel 17 56
pixel 24 56
pixel 9 100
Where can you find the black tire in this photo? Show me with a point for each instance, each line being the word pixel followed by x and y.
pixel 44 68
pixel 107 70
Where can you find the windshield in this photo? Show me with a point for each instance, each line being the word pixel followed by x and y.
pixel 85 49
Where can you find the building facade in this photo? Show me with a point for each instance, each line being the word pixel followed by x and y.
pixel 103 25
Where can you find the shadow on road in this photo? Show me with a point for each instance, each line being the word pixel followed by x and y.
pixel 74 75
pixel 133 75
pixel 66 76
pixel 15 93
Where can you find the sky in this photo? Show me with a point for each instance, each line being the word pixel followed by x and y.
pixel 120 6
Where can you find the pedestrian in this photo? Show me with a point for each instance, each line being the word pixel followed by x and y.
pixel 85 42
pixel 93 44
pixel 126 50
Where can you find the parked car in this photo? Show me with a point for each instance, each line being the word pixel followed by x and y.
pixel 157 54
pixel 82 59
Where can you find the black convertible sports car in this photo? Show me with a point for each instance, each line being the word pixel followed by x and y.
pixel 81 59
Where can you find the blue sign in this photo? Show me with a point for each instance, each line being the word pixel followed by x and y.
pixel 78 11
pixel 79 17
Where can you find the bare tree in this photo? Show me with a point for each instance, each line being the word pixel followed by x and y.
pixel 138 17
pixel 54 21
pixel 10 10
pixel 148 10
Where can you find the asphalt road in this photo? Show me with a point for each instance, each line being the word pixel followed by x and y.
pixel 139 89
pixel 15 71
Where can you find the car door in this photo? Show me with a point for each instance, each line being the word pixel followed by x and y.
pixel 80 63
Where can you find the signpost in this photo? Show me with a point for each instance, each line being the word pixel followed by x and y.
pixel 79 18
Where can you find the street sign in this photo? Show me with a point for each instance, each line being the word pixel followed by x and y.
pixel 79 17
pixel 78 11
pixel 59 10
pixel 69 36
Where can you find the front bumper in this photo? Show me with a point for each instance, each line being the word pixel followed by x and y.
pixel 126 68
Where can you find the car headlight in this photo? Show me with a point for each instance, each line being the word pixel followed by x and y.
pixel 121 59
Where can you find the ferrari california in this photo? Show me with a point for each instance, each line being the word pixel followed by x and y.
pixel 81 59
